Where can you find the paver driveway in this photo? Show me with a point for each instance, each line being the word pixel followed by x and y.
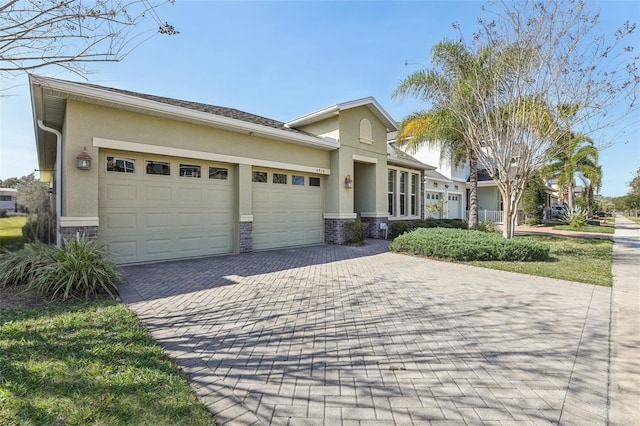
pixel 357 335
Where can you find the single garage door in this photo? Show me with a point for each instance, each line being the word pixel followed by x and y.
pixel 287 209
pixel 156 208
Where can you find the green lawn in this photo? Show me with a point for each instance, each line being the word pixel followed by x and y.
pixel 573 259
pixel 603 229
pixel 89 363
pixel 11 232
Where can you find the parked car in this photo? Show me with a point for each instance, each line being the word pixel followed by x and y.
pixel 557 212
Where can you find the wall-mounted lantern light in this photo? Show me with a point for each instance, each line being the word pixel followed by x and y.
pixel 83 161
pixel 446 185
pixel 456 186
pixel 348 182
pixel 435 184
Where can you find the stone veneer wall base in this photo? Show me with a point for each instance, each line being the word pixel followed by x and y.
pixel 334 230
pixel 88 232
pixel 246 237
pixel 374 226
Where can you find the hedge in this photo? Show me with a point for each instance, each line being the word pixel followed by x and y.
pixel 468 245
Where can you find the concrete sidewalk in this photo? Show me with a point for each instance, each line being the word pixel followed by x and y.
pixel 624 380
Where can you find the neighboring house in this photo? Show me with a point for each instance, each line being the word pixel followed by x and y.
pixel 158 178
pixel 445 186
pixel 448 186
pixel 8 198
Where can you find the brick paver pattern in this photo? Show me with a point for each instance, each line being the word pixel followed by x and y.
pixel 357 335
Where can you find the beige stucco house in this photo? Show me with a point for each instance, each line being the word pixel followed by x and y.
pixel 169 179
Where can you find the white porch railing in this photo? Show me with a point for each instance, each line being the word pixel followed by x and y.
pixel 488 216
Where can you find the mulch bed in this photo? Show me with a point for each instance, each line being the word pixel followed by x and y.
pixel 19 298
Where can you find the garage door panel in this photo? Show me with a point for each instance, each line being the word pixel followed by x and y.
pixel 218 195
pixel 189 195
pixel 157 193
pixel 124 250
pixel 161 246
pixel 157 221
pixel 115 192
pixel 189 220
pixel 218 244
pixel 120 221
pixel 316 235
pixel 189 244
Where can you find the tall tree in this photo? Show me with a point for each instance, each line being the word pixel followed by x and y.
pixel 540 58
pixel 448 80
pixel 575 156
pixel 71 33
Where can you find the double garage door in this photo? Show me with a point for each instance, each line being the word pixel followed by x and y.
pixel 156 208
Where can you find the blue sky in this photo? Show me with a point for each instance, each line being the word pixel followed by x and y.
pixel 284 59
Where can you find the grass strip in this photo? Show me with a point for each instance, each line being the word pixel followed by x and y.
pixel 573 259
pixel 602 229
pixel 89 363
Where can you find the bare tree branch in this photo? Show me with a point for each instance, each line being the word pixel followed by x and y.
pixel 69 33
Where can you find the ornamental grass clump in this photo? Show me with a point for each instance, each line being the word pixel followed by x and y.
pixel 468 245
pixel 79 268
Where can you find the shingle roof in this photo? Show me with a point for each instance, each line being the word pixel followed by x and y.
pixel 483 176
pixel 206 108
pixel 394 153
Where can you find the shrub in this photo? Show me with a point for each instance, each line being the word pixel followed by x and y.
pixel 442 223
pixel 399 228
pixel 40 228
pixel 20 267
pixel 576 218
pixel 485 226
pixel 79 268
pixel 467 245
pixel 3 213
pixel 356 232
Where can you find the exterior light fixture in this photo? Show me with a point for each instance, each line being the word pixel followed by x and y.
pixel 348 182
pixel 456 186
pixel 435 184
pixel 446 185
pixel 83 161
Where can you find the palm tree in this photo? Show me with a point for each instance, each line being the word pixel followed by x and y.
pixel 576 155
pixel 449 87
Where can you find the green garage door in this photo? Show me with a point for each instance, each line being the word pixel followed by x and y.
pixel 156 208
pixel 287 209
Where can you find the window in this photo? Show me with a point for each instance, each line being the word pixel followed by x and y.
pixel 189 170
pixel 158 168
pixel 6 198
pixel 280 178
pixel 414 195
pixel 436 196
pixel 403 193
pixel 297 180
pixel 218 173
pixel 259 176
pixel 314 181
pixel 121 165
pixel 391 186
pixel 428 196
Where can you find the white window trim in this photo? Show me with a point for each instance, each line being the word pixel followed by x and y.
pixel 419 194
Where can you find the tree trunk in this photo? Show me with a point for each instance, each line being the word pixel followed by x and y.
pixel 590 200
pixel 473 190
pixel 506 217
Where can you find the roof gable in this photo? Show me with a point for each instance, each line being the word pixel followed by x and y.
pixel 334 110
